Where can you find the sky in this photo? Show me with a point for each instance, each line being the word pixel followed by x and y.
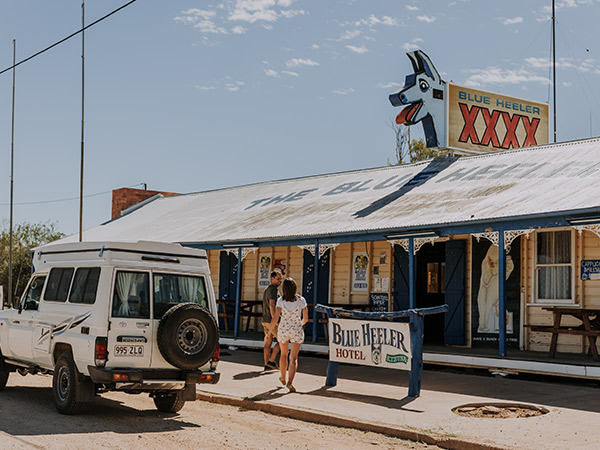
pixel 190 95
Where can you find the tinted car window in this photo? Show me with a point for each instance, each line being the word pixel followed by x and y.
pixel 85 285
pixel 59 282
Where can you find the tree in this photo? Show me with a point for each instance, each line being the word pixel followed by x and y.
pixel 25 237
pixel 408 151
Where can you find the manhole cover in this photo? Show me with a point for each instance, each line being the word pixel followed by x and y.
pixel 499 410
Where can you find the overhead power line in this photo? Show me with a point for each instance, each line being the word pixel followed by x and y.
pixel 43 202
pixel 68 37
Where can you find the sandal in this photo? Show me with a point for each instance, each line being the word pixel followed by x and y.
pixel 290 387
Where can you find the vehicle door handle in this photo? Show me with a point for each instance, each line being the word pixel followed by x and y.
pixel 16 321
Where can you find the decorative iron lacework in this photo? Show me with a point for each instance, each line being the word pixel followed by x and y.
pixel 509 236
pixel 322 248
pixel 402 243
pixel 491 236
pixel 594 228
pixel 245 251
pixel 418 243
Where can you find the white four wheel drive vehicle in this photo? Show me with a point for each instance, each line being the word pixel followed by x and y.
pixel 132 317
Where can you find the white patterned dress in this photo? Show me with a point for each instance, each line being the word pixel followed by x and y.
pixel 290 323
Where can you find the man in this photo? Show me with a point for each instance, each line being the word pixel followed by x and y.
pixel 269 300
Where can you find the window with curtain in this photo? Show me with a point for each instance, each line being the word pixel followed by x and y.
pixel 170 290
pixel 131 296
pixel 554 267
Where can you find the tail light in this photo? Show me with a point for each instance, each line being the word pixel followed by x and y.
pixel 216 355
pixel 101 351
pixel 206 377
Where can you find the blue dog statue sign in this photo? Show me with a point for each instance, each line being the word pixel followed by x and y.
pixel 465 119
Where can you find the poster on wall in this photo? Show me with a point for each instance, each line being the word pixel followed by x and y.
pixel 280 264
pixel 360 272
pixel 264 270
pixel 484 291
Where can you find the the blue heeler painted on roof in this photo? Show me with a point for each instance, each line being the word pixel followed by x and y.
pixel 423 95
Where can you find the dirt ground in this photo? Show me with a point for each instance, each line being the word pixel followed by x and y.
pixel 28 420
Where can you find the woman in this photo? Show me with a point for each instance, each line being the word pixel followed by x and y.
pixel 294 314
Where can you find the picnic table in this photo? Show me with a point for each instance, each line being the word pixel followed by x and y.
pixel 590 326
pixel 248 308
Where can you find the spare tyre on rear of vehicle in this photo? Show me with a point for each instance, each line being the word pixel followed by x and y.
pixel 188 336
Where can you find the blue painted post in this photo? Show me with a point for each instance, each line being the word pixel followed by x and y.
pixel 412 282
pixel 501 294
pixel 416 348
pixel 332 366
pixel 238 295
pixel 315 286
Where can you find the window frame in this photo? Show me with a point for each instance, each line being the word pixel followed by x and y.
pixel 67 294
pixel 535 266
pixel 150 293
pixel 74 278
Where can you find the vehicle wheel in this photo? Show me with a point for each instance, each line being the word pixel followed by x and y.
pixel 66 386
pixel 3 379
pixel 170 403
pixel 188 336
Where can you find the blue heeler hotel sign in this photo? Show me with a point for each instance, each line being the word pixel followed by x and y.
pixel 370 343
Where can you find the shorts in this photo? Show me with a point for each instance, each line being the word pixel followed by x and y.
pixel 266 326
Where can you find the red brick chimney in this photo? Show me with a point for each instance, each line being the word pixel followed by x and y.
pixel 125 197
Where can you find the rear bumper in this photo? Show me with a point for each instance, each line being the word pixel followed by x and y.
pixel 151 379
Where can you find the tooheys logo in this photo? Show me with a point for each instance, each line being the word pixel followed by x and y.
pixel 491 119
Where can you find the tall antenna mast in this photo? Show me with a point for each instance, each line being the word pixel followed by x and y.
pixel 82 119
pixel 12 158
pixel 554 65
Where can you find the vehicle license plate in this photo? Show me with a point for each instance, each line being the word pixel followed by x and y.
pixel 129 350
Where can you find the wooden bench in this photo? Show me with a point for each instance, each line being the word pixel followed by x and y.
pixel 590 327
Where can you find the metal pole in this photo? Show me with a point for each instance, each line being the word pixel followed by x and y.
pixel 412 282
pixel 501 294
pixel 315 295
pixel 554 66
pixel 12 158
pixel 82 119
pixel 238 294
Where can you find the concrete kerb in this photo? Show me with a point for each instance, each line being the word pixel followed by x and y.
pixel 308 415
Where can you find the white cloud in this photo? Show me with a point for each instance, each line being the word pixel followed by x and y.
pixel 271 73
pixel 238 29
pixel 201 19
pixel 373 20
pixel 426 19
pixel 292 74
pixel 343 91
pixel 297 62
pixel 348 34
pixel 233 88
pixel 513 21
pixel 412 8
pixel 252 11
pixel 315 46
pixel 414 44
pixel 355 49
pixel 563 63
pixel 496 75
pixel 389 85
pixel 206 88
pixel 546 12
pixel 567 84
pixel 289 13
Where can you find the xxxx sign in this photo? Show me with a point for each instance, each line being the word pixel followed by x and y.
pixel 483 121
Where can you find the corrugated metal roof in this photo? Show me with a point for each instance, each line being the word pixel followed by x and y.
pixel 536 180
